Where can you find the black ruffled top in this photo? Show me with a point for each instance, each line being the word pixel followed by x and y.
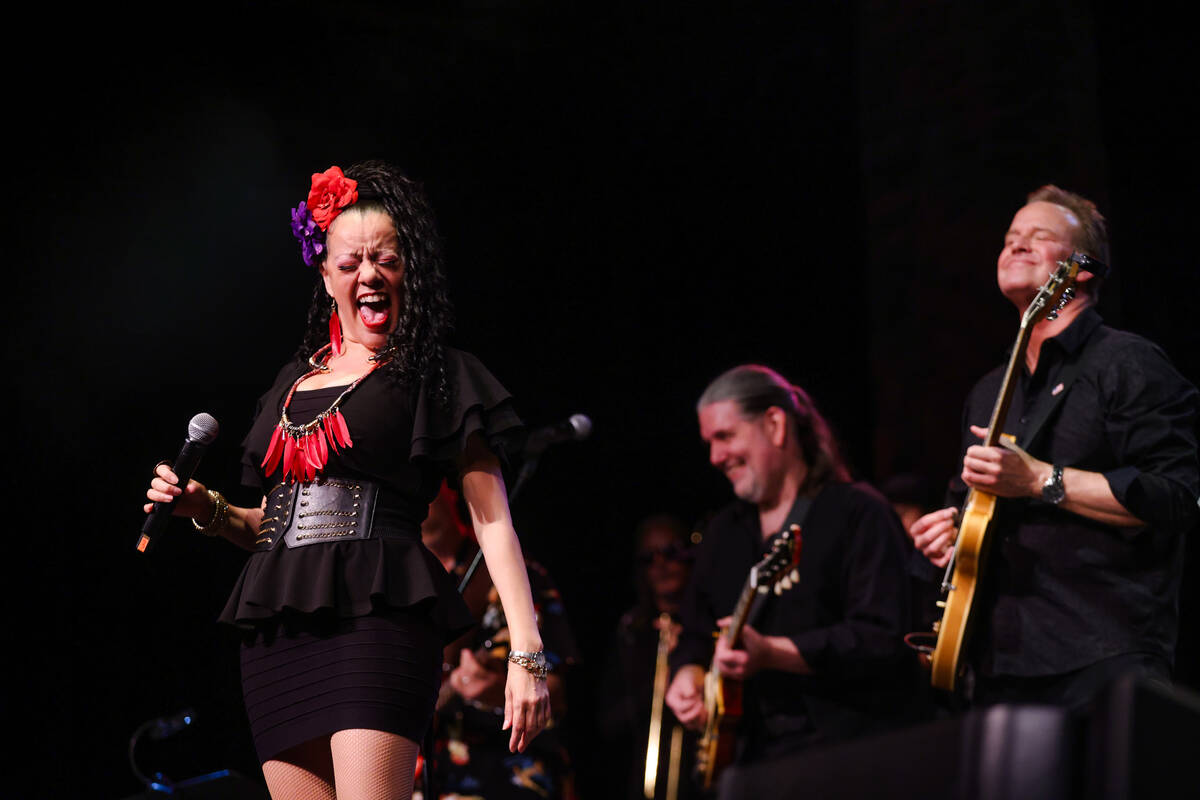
pixel 406 441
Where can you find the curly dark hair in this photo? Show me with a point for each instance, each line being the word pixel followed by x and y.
pixel 427 315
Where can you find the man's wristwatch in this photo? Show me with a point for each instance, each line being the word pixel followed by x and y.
pixel 1053 490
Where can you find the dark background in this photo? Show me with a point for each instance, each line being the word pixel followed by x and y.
pixel 632 200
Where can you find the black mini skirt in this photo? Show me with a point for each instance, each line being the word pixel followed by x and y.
pixel 310 676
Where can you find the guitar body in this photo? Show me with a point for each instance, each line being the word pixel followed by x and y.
pixel 954 626
pixel 723 702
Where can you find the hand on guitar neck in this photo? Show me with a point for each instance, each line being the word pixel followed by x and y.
pixel 685 695
pixel 1004 470
pixel 756 652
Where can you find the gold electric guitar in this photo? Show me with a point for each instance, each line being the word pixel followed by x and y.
pixel 970 548
pixel 723 696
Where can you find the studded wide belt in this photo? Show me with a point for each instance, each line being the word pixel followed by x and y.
pixel 334 510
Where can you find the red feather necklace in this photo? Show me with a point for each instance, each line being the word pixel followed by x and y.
pixel 303 450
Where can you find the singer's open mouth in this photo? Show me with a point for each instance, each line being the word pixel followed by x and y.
pixel 374 310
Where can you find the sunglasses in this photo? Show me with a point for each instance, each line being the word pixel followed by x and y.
pixel 672 552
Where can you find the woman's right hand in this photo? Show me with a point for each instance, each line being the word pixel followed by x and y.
pixel 193 500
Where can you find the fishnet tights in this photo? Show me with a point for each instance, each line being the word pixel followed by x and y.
pixel 354 764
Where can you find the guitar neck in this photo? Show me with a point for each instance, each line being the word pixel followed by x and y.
pixel 741 613
pixel 1004 398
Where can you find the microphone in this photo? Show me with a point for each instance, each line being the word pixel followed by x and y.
pixel 163 727
pixel 158 729
pixel 201 431
pixel 575 429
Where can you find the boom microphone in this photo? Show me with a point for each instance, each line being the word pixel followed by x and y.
pixel 575 429
pixel 201 431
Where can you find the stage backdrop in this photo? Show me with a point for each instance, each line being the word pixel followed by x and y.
pixel 632 201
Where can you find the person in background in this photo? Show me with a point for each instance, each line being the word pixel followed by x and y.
pixel 662 566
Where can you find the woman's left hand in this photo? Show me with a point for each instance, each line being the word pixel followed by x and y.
pixel 526 707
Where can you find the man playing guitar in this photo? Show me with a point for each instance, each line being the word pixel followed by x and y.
pixel 823 659
pixel 1081 578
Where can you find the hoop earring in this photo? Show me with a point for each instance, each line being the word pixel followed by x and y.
pixel 335 330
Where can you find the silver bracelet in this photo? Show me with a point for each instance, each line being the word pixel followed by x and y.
pixel 534 663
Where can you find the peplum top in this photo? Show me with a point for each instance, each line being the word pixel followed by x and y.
pixel 407 442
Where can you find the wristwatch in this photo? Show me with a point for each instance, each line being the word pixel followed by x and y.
pixel 534 662
pixel 1053 490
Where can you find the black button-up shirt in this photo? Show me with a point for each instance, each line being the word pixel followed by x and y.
pixel 1061 591
pixel 847 615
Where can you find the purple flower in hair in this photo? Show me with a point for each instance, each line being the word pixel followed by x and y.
pixel 305 228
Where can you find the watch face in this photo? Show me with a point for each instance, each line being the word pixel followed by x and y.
pixel 538 658
pixel 1052 490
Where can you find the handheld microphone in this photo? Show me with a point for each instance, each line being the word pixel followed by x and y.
pixel 201 432
pixel 575 429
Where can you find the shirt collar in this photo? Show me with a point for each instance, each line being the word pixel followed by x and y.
pixel 1070 340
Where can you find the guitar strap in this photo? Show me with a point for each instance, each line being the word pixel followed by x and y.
pixel 796 516
pixel 798 513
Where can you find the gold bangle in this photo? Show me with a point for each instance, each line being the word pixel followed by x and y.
pixel 220 515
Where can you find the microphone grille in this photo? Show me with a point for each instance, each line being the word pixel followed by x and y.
pixel 582 425
pixel 203 428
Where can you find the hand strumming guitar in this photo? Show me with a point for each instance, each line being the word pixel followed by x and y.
pixel 685 696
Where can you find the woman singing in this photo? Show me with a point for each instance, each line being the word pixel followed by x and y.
pixel 344 611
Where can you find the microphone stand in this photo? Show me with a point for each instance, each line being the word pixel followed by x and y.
pixel 527 469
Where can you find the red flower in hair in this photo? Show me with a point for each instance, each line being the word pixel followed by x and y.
pixel 331 192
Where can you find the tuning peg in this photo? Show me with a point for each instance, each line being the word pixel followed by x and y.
pixel 1067 296
pixel 778 589
pixel 785 582
pixel 794 575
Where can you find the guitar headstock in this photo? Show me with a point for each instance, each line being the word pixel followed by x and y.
pixel 777 569
pixel 1059 288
